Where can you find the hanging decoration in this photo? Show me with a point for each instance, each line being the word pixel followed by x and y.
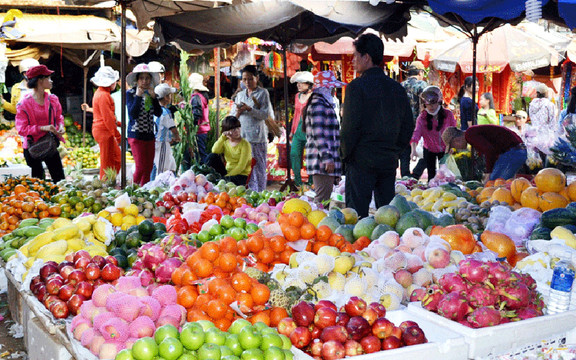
pixel 272 64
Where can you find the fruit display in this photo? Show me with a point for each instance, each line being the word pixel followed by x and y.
pixel 203 341
pixel 118 315
pixel 73 134
pixel 326 332
pixel 482 294
pixel 26 231
pixel 82 157
pixel 10 145
pixel 63 287
pixel 130 240
pixel 211 175
pixel 228 204
pixel 238 228
pixel 437 199
pixel 23 184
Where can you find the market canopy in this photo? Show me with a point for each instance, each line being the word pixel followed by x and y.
pixel 281 21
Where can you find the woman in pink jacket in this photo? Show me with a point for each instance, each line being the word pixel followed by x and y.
pixel 430 125
pixel 37 114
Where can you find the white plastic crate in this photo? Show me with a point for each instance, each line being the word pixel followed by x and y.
pixel 42 345
pixel 443 343
pixel 505 338
pixel 14 170
pixel 16 302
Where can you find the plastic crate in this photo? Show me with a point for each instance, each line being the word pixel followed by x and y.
pixel 16 303
pixel 505 338
pixel 443 343
pixel 14 170
pixel 42 345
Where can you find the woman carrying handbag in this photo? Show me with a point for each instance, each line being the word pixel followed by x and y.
pixel 40 122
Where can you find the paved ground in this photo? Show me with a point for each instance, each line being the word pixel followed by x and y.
pixel 11 344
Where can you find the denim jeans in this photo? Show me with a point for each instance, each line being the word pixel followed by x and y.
pixel 508 164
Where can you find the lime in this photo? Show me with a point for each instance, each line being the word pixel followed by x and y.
pixel 80 206
pixel 160 226
pixel 120 237
pixel 204 236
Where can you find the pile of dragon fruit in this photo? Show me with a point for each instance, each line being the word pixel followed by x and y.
pixel 482 294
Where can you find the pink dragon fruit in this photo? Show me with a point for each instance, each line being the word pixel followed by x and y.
pixel 498 273
pixel 482 295
pixel 153 257
pixel 516 296
pixel 473 270
pixel 182 251
pixel 453 282
pixel 170 241
pixel 138 265
pixel 484 316
pixel 433 295
pixel 146 277
pixel 164 271
pixel 453 306
pixel 417 294
pixel 526 279
pixel 527 313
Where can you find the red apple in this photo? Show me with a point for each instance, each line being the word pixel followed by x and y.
pixel 34 283
pixel 98 282
pixel 303 314
pixel 397 332
pixel 413 336
pixel 325 303
pixel 82 262
pixel 342 319
pixel 59 309
pixel 92 271
pixel 336 332
pixel 382 328
pixel 111 260
pixel 286 326
pixel 358 328
pixel 49 268
pixel 379 308
pixel 41 292
pixel 315 331
pixel 167 196
pixel 100 261
pixel 355 306
pixel 49 300
pixel 66 292
pixel 54 284
pixel 406 324
pixel 370 344
pixel 391 342
pixel 85 289
pixel 81 253
pixel 324 317
pixel 301 337
pixel 370 315
pixel 66 270
pixel 353 348
pixel 316 347
pixel 75 303
pixel 182 197
pixel 333 350
pixel 110 272
pixel 76 276
pixel 65 263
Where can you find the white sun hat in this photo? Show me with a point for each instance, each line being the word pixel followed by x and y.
pixel 26 64
pixel 196 82
pixel 105 76
pixel 156 67
pixel 163 90
pixel 139 69
pixel 302 77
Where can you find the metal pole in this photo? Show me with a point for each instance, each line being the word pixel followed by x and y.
pixel 217 90
pixel 123 94
pixel 84 97
pixel 474 46
pixel 289 183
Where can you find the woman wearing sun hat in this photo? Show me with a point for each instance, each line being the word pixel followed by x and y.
pixel 142 106
pixel 322 129
pixel 305 81
pixel 104 127
pixel 200 110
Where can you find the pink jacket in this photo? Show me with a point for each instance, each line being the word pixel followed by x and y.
pixel 30 116
pixel 432 138
pixel 204 122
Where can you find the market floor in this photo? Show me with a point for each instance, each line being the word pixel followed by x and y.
pixel 10 346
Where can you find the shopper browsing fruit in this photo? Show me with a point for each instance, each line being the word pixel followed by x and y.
pixel 19 89
pixel 430 125
pixel 487 113
pixel 376 126
pixel 252 108
pixel 166 133
pixel 38 114
pixel 142 106
pixel 104 127
pixel 304 81
pixel 503 149
pixel 200 111
pixel 322 129
pixel 237 153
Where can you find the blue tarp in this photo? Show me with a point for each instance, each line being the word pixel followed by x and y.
pixel 567 11
pixel 474 11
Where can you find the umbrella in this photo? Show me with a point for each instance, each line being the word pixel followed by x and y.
pixel 503 46
pixel 285 22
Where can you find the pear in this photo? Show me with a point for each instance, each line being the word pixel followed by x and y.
pixel 337 281
pixel 342 264
pixel 329 250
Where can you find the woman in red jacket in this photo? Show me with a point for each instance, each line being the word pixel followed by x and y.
pixel 104 127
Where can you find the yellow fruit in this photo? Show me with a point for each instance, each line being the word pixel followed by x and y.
pixel 117 219
pixel 572 191
pixel 35 244
pixel 530 198
pixel 129 219
pixel 316 216
pixel 65 233
pixel 550 180
pixel 296 205
pixel 552 200
pixel 104 214
pixel 55 248
pixel 61 222
pixel 139 219
pixel 75 244
pixel 131 209
pixel 502 195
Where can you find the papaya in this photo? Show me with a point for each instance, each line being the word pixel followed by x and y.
pixel 401 204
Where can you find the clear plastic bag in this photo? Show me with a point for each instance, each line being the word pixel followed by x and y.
pixel 499 215
pixel 520 224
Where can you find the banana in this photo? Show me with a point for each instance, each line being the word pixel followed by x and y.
pixel 35 244
pixel 58 247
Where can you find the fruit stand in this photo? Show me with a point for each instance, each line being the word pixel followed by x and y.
pixel 184 268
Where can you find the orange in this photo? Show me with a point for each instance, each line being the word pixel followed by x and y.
pixel 187 296
pixel 276 315
pixel 278 243
pixel 260 294
pixel 266 255
pixel 177 275
pixel 241 282
pixel 203 268
pixel 188 277
pixel 228 262
pixel 255 243
pixel 323 233
pixel 223 324
pixel 243 247
pixel 307 231
pixel 245 301
pixel 291 233
pixel 227 294
pixel 228 245
pixel 262 316
pixel 216 309
pixel 296 219
pixel 210 251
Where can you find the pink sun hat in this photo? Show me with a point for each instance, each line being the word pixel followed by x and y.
pixel 327 79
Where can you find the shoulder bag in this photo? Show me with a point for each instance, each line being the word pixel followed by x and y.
pixel 47 145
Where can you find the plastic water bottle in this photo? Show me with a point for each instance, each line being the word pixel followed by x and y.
pixel 561 285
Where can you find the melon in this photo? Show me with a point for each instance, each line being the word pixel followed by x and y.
pixel 346 231
pixel 379 230
pixel 364 227
pixel 387 214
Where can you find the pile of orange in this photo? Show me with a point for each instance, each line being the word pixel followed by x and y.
pixel 224 201
pixel 23 204
pixel 295 226
pixel 210 280
pixel 265 251
pixel 20 184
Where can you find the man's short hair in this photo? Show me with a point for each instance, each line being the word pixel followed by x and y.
pixel 372 45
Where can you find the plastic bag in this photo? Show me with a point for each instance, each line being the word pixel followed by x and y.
pixel 520 224
pixel 451 164
pixel 499 215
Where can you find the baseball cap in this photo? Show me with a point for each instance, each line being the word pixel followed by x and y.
pixel 163 90
pixel 416 65
pixel 449 134
pixel 38 70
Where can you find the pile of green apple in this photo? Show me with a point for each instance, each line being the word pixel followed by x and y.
pixel 238 228
pixel 202 340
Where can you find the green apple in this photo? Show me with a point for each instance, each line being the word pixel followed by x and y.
pixel 250 338
pixel 188 356
pixel 209 352
pixel 240 223
pixel 192 336
pixel 215 336
pixel 252 354
pixel 288 355
pixel 251 228
pixel 231 357
pixel 125 354
pixel 145 349
pixel 227 221
pixel 260 326
pixel 274 353
pixel 170 348
pixel 269 340
pixel 204 236
pixel 286 343
pixel 225 351
pixel 215 229
pixel 233 344
pixel 165 331
pixel 268 330
pixel 238 233
pixel 206 324
pixel 238 325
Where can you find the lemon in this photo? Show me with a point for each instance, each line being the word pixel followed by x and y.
pixel 117 219
pixel 139 219
pixel 131 209
pixel 129 219
pixel 316 216
pixel 104 214
pixel 125 227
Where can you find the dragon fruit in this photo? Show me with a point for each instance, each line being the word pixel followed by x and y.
pixel 432 297
pixel 453 282
pixel 473 270
pixel 484 316
pixel 516 296
pixel 153 256
pixel 164 271
pixel 526 279
pixel 498 273
pixel 527 313
pixel 417 294
pixel 181 251
pixel 453 306
pixel 482 295
pixel 146 277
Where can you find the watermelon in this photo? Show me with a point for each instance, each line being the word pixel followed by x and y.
pixel 557 217
pixel 540 233
pixel 572 207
